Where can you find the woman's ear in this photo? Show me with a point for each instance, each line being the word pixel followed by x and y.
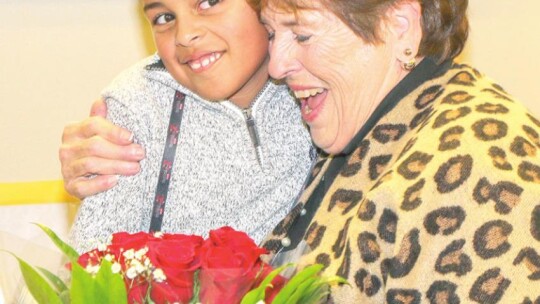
pixel 405 27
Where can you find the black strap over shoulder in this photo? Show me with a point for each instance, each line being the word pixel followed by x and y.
pixel 167 162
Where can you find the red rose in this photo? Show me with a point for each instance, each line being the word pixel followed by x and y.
pixel 166 293
pixel 178 257
pixel 92 258
pixel 228 237
pixel 123 241
pixel 230 266
pixel 277 283
pixel 136 291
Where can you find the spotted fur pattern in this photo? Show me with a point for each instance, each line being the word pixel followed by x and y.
pixel 439 204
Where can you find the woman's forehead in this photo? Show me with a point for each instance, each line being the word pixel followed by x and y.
pixel 291 6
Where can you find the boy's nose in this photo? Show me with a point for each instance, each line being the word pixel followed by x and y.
pixel 186 40
pixel 188 32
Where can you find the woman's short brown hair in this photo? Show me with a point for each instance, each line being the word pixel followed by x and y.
pixel 445 26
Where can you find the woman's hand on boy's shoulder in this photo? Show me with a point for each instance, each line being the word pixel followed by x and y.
pixel 94 152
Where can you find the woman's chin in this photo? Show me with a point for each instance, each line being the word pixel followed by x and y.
pixel 328 145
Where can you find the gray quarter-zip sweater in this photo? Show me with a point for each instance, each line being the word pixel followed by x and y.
pixel 218 178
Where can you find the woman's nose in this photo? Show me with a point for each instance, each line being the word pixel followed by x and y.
pixel 283 61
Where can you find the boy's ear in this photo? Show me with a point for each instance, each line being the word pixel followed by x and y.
pixel 405 27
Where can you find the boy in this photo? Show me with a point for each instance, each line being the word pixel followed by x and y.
pixel 242 152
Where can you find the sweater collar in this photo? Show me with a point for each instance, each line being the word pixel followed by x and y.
pixel 157 71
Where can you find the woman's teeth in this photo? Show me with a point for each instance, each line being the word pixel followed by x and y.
pixel 307 93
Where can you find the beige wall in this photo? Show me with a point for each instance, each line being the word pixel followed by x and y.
pixel 56 55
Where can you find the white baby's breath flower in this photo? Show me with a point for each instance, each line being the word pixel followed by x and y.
pixel 159 275
pixel 146 262
pixel 158 234
pixel 116 267
pixel 129 254
pixel 102 247
pixel 92 269
pixel 135 262
pixel 132 264
pixel 260 302
pixel 109 257
pixel 139 267
pixel 131 273
pixel 140 253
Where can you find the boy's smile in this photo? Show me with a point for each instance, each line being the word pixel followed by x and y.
pixel 202 62
pixel 217 49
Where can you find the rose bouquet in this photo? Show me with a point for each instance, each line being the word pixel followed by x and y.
pixel 174 268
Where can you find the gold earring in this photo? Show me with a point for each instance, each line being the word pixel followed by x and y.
pixel 411 63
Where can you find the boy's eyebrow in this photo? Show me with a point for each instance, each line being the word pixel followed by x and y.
pixel 152 5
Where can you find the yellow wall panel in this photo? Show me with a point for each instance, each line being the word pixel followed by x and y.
pixel 34 193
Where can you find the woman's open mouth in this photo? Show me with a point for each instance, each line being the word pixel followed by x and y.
pixel 311 101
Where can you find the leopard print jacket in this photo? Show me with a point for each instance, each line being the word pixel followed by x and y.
pixel 440 203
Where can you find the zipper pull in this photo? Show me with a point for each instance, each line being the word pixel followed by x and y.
pixel 252 129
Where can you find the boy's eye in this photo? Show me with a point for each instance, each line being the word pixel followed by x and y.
pixel 163 19
pixel 206 4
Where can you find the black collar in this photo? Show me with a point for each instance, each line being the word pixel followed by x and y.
pixel 427 69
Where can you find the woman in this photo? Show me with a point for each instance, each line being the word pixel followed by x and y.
pixel 430 190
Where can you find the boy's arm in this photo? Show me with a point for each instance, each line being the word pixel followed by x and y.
pixel 94 151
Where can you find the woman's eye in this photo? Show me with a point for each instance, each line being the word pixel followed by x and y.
pixel 271 35
pixel 163 19
pixel 206 4
pixel 302 38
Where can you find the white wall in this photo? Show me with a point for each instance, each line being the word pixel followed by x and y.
pixel 504 43
pixel 55 57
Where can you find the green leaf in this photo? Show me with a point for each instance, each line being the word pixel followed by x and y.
pixel 57 283
pixel 64 296
pixel 287 290
pixel 335 280
pixel 299 292
pixel 317 297
pixel 259 293
pixel 320 289
pixel 111 287
pixel 315 293
pixel 65 248
pixel 105 287
pixel 196 288
pixel 38 286
pixel 83 286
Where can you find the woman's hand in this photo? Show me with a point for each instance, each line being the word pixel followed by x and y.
pixel 94 152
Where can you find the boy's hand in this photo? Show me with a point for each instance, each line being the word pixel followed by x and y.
pixel 94 152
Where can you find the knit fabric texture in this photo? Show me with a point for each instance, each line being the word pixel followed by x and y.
pixel 216 177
